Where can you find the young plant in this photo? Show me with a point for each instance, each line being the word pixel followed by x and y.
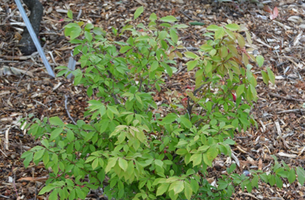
pixel 131 148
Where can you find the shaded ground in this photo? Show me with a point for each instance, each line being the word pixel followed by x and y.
pixel 279 110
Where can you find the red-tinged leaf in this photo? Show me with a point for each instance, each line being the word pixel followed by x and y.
pixel 267 9
pixel 234 97
pixel 184 99
pixel 274 14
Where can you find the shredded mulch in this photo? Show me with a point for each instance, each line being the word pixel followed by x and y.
pixel 27 90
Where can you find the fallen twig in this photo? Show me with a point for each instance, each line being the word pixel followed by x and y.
pixel 286 98
pixel 18 57
pixel 66 107
pixel 291 111
pixel 190 18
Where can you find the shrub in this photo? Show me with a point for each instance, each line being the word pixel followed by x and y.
pixel 134 148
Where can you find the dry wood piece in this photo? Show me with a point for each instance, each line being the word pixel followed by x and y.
pixel 286 98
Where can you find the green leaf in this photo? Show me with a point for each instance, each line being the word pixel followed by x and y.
pixel 162 35
pixel 78 75
pixel 125 48
pixel 271 75
pixel 46 158
pixel 167 68
pixel 241 40
pixel 196 158
pixel 123 164
pixel 232 27
pixel 113 109
pixel 53 195
pixel 168 19
pixel 265 77
pixel 213 28
pixel 173 35
pixel 260 60
pixel 279 182
pixel 73 30
pixel 291 176
pixel 180 26
pixel 212 153
pixel 47 188
pixel 231 168
pixel 271 179
pixel 162 189
pixel 187 190
pixel 56 121
pixel 229 141
pixel 70 14
pixel 89 26
pixel 254 181
pixel 189 54
pixel 90 158
pixel 194 185
pixel 28 158
pixel 139 100
pixel 264 177
pixel 240 90
pixel 154 65
pixel 213 52
pixel 153 17
pixel 179 186
pixel 190 172
pixel 186 122
pixel 206 160
pixel 55 133
pixel 70 135
pixel 301 175
pixel 197 23
pixel 219 33
pixel 38 155
pixel 230 34
pixel 138 12
pixel 81 193
pixel 159 163
pixel 110 115
pixel 110 165
pixel 45 143
pixel 191 64
pixel 140 135
pixel 95 163
pixel 117 130
pixel 249 187
pixel 88 36
pixel 170 118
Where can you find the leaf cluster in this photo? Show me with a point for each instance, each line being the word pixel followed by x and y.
pixel 129 148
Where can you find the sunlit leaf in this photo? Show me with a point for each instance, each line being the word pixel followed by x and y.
pixel 291 176
pixel 162 189
pixel 260 60
pixel 265 77
pixel 232 27
pixel 271 75
pixel 191 64
pixel 138 12
pixel 301 175
pixel 190 54
pixel 168 19
pixel 123 164
pixel 187 190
